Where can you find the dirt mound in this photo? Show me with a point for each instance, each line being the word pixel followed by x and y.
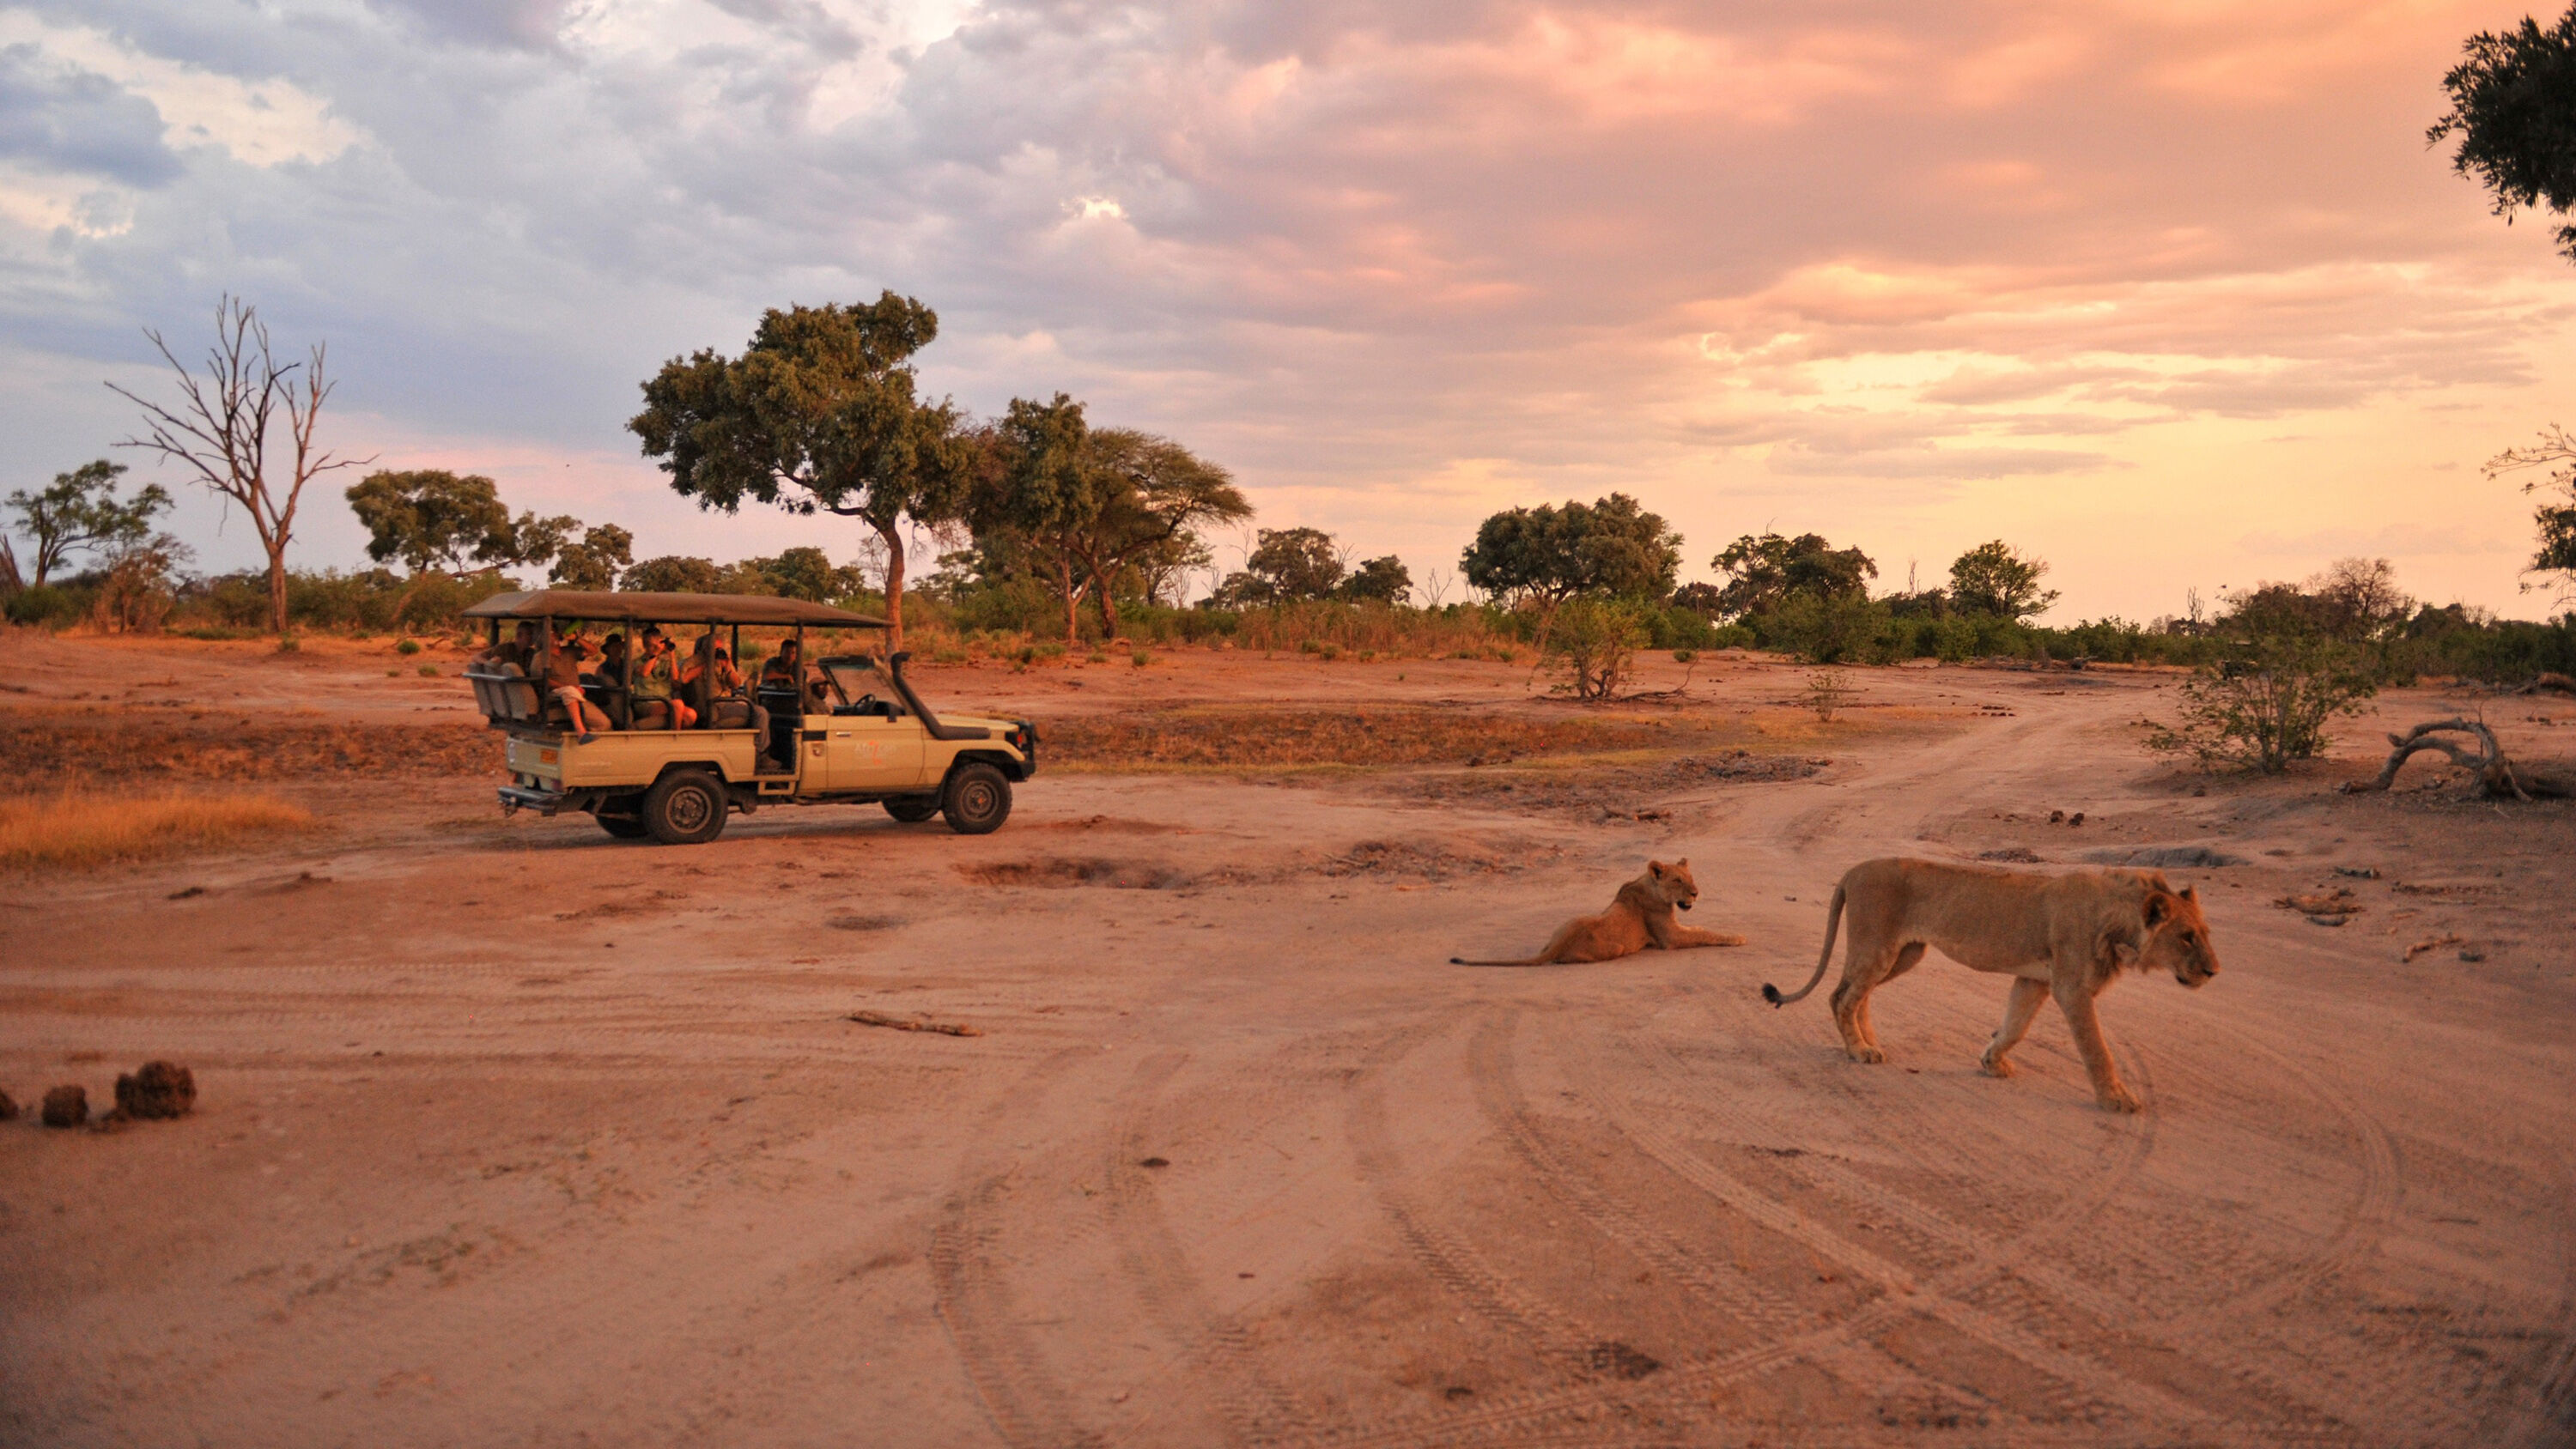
pixel 1125 875
pixel 2163 857
pixel 157 1089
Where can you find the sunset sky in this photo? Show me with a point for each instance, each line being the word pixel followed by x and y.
pixel 2173 294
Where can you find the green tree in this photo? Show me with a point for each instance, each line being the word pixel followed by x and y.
pixel 818 414
pixel 1764 571
pixel 672 574
pixel 2555 455
pixel 593 561
pixel 1550 553
pixel 1994 578
pixel 1296 563
pixel 2513 106
pixel 429 520
pixel 81 512
pixel 1379 581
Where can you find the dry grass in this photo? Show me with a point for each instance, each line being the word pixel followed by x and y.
pixel 144 747
pixel 1291 739
pixel 78 829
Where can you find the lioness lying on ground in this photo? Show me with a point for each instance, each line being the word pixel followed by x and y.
pixel 2065 936
pixel 1640 916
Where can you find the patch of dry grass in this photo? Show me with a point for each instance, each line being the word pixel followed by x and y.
pixel 79 829
pixel 1292 739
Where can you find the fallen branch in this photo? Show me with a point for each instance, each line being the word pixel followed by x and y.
pixel 2497 776
pixel 900 1023
pixel 2546 682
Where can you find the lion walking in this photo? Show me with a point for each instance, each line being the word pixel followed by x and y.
pixel 1640 916
pixel 2065 936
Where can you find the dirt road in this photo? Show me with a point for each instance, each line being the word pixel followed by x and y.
pixel 511 1134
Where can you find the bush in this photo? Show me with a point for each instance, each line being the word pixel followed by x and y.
pixel 2268 701
pixel 1827 691
pixel 408 646
pixel 46 607
pixel 1597 639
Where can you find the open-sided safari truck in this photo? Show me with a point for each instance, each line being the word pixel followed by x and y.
pixel 844 729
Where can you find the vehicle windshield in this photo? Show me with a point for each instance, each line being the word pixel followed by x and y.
pixel 856 682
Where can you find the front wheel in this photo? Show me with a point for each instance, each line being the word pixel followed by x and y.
pixel 685 807
pixel 978 800
pixel 912 809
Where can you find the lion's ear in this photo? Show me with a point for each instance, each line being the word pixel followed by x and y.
pixel 2191 894
pixel 1685 860
pixel 1654 867
pixel 2157 909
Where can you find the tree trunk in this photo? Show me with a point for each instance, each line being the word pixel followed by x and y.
pixel 893 585
pixel 277 587
pixel 1072 601
pixel 1108 609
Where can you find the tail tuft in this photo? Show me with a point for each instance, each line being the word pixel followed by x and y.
pixel 1771 993
pixel 1457 960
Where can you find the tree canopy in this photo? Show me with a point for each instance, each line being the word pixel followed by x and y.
pixel 81 512
pixel 594 560
pixel 1994 578
pixel 819 413
pixel 1379 581
pixel 2513 107
pixel 1552 552
pixel 1764 571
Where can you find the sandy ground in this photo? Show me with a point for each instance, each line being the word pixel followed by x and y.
pixel 513 1134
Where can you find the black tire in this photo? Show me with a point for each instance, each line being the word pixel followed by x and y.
pixel 624 827
pixel 685 807
pixel 977 800
pixel 913 809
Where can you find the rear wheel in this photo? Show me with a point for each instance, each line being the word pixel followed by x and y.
pixel 685 807
pixel 623 827
pixel 977 800
pixel 913 809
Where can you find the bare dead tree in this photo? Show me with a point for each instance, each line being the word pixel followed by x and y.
pixel 2497 777
pixel 220 430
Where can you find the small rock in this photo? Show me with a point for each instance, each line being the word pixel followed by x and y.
pixel 2056 816
pixel 2075 819
pixel 2473 955
pixel 66 1106
pixel 2358 872
pixel 157 1089
pixel 8 1108
pixel 2327 920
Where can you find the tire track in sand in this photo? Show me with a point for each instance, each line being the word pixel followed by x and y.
pixel 1222 1357
pixel 972 1292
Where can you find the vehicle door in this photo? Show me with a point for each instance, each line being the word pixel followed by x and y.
pixel 870 752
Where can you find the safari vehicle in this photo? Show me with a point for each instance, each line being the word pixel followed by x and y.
pixel 850 731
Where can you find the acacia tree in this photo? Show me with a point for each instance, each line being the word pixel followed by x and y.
pixel 818 414
pixel 594 560
pixel 82 512
pixel 1550 554
pixel 1994 578
pixel 220 430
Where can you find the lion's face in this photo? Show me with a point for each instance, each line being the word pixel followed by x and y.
pixel 2178 938
pixel 1672 883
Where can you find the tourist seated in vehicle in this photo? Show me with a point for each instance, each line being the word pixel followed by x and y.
pixel 563 683
pixel 517 652
pixel 606 685
pixel 713 680
pixel 787 670
pixel 657 685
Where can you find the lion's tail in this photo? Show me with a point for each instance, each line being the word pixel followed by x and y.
pixel 1833 922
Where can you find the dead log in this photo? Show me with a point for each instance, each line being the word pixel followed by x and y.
pixel 2547 683
pixel 943 1028
pixel 2498 777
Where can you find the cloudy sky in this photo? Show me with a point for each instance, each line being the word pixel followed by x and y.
pixel 2172 293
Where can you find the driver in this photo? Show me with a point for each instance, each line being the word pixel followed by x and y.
pixel 787 670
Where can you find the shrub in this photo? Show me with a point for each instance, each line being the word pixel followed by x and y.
pixel 430 671
pixel 46 607
pixel 1140 658
pixel 1685 656
pixel 408 646
pixel 1096 657
pixel 2268 701
pixel 1597 638
pixel 1827 691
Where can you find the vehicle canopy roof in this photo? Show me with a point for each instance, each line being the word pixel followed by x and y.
pixel 652 608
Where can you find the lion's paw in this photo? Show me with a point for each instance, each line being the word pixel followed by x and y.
pixel 1995 1066
pixel 2117 1100
pixel 1869 1054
